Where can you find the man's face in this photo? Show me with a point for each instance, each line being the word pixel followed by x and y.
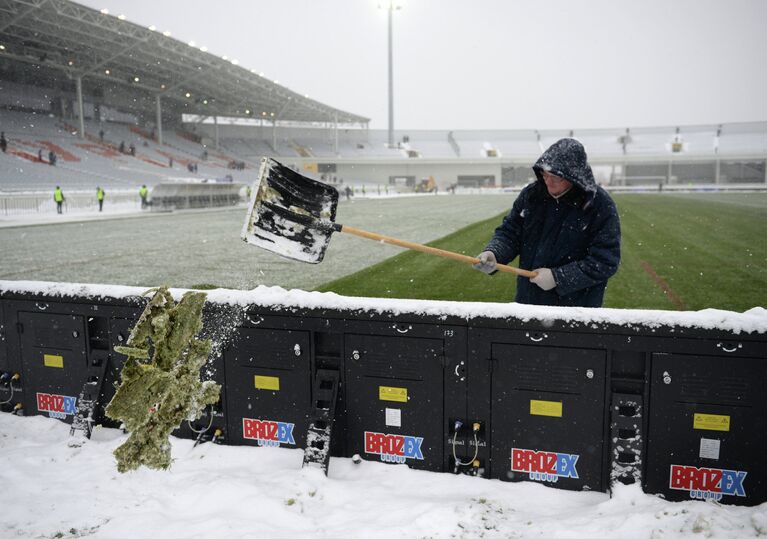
pixel 555 185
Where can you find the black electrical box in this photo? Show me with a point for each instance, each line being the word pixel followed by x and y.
pixel 706 439
pixel 268 387
pixel 548 415
pixel 395 399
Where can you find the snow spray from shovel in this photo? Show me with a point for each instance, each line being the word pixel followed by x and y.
pixel 294 216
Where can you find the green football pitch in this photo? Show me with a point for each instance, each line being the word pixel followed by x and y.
pixel 679 251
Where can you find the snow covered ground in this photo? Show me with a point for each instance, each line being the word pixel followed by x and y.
pixel 204 247
pixel 51 490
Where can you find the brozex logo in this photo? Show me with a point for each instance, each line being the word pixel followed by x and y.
pixel 544 465
pixel 58 406
pixel 707 483
pixel 393 447
pixel 269 433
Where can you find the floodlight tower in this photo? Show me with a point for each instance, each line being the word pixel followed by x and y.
pixel 391 6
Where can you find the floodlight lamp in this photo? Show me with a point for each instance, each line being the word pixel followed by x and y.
pixel 162 86
pixel 247 111
pixel 276 81
pixel 166 33
pixel 153 28
pixel 225 57
pixel 191 44
pixel 272 114
pixel 188 94
pixel 2 47
pixel 135 79
pixel 121 17
pixel 105 11
pixel 70 63
pixel 306 96
pixel 263 113
pixel 204 101
pixel 106 72
pixel 204 49
pixel 235 61
pixel 261 74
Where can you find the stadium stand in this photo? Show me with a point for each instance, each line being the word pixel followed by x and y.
pixel 190 115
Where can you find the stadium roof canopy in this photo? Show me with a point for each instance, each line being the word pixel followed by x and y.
pixel 108 51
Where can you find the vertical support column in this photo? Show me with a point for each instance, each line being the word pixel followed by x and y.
pixel 391 80
pixel 335 132
pixel 215 125
pixel 718 171
pixel 159 119
pixel 274 136
pixel 80 112
pixel 670 170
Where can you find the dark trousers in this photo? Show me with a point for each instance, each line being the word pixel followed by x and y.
pixel 101 205
pixel 58 207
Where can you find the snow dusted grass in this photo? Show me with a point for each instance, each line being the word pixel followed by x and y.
pixel 678 252
pixel 190 248
pixel 52 490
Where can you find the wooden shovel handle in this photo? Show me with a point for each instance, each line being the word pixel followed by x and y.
pixel 430 250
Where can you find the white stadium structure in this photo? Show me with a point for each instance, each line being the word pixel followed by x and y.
pixel 87 86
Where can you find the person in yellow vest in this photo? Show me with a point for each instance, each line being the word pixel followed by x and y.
pixel 100 197
pixel 143 193
pixel 58 197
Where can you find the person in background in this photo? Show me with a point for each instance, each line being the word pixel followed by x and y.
pixel 52 158
pixel 40 155
pixel 565 226
pixel 58 197
pixel 3 142
pixel 143 192
pixel 100 197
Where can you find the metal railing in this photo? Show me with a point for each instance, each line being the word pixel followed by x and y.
pixel 26 204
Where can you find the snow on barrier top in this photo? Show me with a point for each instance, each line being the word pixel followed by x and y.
pixel 751 321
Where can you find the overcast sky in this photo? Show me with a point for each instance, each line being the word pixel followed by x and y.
pixel 494 64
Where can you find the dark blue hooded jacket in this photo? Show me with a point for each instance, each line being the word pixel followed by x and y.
pixel 577 235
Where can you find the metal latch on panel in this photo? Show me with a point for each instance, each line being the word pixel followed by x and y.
pixel 729 347
pixel 297 349
pixel 536 336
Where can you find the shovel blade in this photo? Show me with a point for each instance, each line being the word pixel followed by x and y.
pixel 290 214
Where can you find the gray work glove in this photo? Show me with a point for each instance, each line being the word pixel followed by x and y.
pixel 544 279
pixel 487 262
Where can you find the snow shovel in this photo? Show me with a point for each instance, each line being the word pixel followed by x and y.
pixel 294 216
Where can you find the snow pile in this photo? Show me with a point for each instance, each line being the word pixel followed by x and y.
pixel 751 321
pixel 52 490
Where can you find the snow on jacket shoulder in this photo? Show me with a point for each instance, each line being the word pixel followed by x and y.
pixel 577 235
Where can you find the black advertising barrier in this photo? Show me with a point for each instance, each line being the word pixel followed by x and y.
pixel 573 398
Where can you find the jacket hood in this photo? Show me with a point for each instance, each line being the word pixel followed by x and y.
pixel 567 159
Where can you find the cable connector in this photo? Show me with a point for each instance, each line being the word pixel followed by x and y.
pixel 458 425
pixel 476 426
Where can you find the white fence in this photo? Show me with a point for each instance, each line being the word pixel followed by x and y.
pixel 26 204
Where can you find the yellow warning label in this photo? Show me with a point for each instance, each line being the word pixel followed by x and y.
pixel 711 422
pixel 393 394
pixel 547 408
pixel 271 383
pixel 50 360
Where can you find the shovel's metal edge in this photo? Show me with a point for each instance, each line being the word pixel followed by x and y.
pixel 247 228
